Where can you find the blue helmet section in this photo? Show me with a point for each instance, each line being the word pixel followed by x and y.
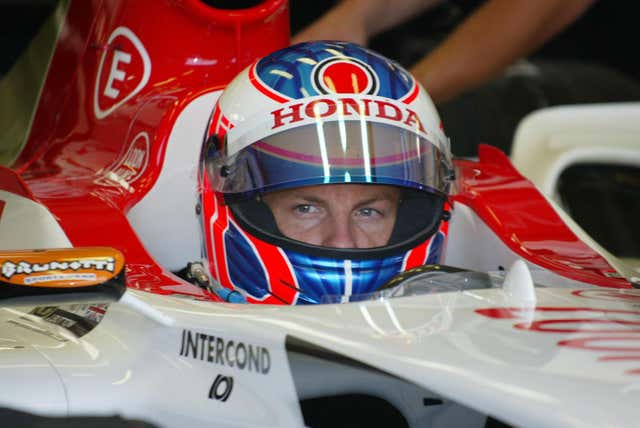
pixel 324 279
pixel 320 279
pixel 243 264
pixel 290 71
pixel 435 249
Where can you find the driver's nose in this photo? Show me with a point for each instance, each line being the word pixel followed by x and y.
pixel 339 234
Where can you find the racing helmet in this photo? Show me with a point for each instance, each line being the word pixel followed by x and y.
pixel 320 113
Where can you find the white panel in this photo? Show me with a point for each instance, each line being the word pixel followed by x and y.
pixel 320 378
pixel 26 224
pixel 165 219
pixel 516 368
pixel 550 140
pixel 471 244
pixel 28 380
pixel 139 367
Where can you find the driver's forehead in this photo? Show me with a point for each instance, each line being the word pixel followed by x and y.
pixel 339 193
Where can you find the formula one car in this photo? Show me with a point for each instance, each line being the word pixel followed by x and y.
pixel 527 322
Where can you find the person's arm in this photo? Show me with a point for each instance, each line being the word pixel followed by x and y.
pixel 492 38
pixel 358 20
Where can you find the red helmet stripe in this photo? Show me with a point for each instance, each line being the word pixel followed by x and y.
pixel 412 95
pixel 214 238
pixel 218 231
pixel 416 257
pixel 213 126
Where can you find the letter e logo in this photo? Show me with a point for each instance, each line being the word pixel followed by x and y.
pixel 123 71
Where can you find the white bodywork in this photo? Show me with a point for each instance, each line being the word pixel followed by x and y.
pixel 136 363
pixel 560 356
pixel 24 223
pixel 167 207
pixel 550 140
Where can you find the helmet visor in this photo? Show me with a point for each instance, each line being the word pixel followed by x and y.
pixel 332 152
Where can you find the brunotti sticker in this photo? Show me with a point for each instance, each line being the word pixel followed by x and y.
pixel 42 272
pixel 9 268
pixel 225 352
pixel 123 71
pixel 67 268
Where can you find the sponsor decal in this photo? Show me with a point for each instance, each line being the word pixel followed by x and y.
pixel 30 271
pixel 78 319
pixel 221 388
pixel 344 75
pixel 129 167
pixel 346 107
pixel 225 352
pixel 123 71
pixel 615 332
pixel 622 295
pixel 10 269
pixel 63 268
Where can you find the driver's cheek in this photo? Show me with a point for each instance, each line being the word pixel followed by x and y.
pixel 310 231
pixel 372 232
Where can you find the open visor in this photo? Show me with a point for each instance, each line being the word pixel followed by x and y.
pixel 354 151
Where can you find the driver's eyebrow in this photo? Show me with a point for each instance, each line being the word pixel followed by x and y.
pixel 376 198
pixel 308 198
pixel 316 199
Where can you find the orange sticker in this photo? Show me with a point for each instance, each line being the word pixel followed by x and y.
pixel 61 268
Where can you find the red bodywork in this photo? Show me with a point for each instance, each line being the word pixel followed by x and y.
pixel 103 90
pixel 520 215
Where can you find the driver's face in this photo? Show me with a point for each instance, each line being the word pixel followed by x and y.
pixel 337 215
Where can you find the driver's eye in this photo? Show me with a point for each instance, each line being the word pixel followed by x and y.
pixel 305 209
pixel 367 212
